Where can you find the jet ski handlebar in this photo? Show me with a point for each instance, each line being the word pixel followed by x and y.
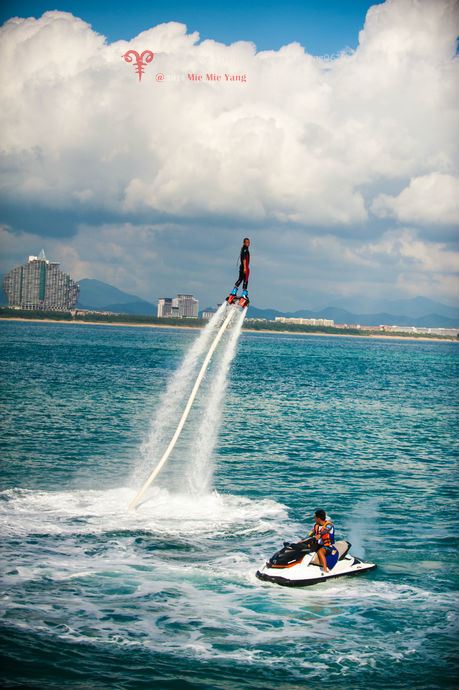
pixel 310 543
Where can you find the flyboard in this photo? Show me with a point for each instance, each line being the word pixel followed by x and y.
pixel 138 497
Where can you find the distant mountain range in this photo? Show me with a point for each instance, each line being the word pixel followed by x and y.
pixel 94 294
pixel 429 319
pixel 418 311
pixel 414 308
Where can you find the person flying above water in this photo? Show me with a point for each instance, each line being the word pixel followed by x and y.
pixel 323 532
pixel 244 270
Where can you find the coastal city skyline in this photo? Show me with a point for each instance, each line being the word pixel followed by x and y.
pixel 40 285
pixel 152 299
pixel 325 219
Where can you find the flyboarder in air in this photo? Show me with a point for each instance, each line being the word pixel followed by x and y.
pixel 244 272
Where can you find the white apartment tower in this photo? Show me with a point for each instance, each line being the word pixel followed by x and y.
pixel 182 307
pixel 40 284
pixel 164 307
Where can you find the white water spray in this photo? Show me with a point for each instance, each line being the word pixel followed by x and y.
pixel 199 474
pixel 171 401
pixel 174 396
pixel 363 525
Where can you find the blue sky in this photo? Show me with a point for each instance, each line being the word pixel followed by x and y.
pixel 321 26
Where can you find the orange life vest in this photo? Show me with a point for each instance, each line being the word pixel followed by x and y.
pixel 325 534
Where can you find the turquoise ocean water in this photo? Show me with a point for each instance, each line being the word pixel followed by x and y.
pixel 96 597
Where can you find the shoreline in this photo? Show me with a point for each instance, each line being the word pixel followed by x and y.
pixel 124 324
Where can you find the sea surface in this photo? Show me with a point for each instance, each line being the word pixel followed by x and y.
pixel 165 597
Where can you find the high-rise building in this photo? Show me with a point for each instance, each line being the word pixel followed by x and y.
pixel 164 307
pixel 186 305
pixel 182 306
pixel 40 284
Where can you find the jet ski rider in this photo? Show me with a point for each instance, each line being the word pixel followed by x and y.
pixel 323 532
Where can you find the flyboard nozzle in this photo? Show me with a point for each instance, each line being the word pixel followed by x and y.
pixel 138 497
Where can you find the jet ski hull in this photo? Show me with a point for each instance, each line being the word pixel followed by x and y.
pixel 285 582
pixel 307 571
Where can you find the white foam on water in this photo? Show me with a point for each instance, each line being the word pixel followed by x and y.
pixel 93 512
pixel 177 576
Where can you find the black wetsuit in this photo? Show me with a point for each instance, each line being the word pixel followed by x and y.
pixel 244 268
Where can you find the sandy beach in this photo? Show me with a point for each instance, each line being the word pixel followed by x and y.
pixel 123 324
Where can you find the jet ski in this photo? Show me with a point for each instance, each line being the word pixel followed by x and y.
pixel 298 565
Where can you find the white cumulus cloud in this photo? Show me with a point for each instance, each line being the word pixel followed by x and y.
pixel 431 198
pixel 297 142
pixel 304 156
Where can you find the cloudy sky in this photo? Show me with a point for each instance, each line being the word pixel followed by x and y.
pixel 337 154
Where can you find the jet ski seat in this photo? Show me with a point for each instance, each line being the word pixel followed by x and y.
pixel 342 546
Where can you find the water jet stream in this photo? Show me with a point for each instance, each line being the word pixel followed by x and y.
pixel 137 498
